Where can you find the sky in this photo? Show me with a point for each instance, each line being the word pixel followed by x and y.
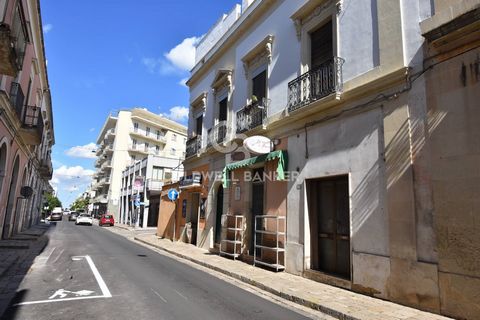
pixel 106 55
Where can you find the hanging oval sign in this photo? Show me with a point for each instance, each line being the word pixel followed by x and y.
pixel 258 144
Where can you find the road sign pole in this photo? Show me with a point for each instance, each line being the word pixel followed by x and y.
pixel 137 220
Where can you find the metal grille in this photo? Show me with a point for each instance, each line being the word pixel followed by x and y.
pixel 193 146
pixel 315 84
pixel 250 117
pixel 216 134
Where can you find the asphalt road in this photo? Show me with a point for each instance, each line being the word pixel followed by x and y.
pixel 64 284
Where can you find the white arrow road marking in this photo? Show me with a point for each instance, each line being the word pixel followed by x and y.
pixel 62 293
pixel 80 295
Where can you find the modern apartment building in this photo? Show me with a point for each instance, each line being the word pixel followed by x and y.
pixel 354 190
pixel 26 121
pixel 151 173
pixel 126 137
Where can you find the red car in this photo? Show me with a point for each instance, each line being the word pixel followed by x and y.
pixel 106 219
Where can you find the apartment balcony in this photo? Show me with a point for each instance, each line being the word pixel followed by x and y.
pixel 30 117
pixel 150 136
pixel 46 169
pixel 110 135
pixel 13 43
pixel 251 117
pixel 191 181
pixel 107 164
pixel 137 149
pixel 217 135
pixel 154 186
pixel 316 84
pixel 193 146
pixel 108 149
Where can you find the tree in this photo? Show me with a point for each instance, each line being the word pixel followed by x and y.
pixel 52 201
pixel 80 204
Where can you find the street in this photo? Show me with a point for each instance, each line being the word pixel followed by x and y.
pixel 91 273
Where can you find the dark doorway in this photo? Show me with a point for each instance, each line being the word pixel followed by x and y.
pixel 194 216
pixel 257 207
pixel 7 222
pixel 153 211
pixel 329 215
pixel 218 221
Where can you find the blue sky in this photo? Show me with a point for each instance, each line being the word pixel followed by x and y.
pixel 105 55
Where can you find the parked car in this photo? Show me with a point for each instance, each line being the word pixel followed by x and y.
pixel 106 219
pixel 56 216
pixel 73 216
pixel 84 218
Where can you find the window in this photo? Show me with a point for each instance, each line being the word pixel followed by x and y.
pixel 174 137
pixel 135 127
pixel 19 33
pixel 222 110
pixel 173 151
pixel 198 125
pixel 259 86
pixel 147 145
pixel 133 158
pixel 157 173
pixel 168 175
pixel 157 149
pixel 147 133
pixel 134 144
pixel 321 45
pixel 158 134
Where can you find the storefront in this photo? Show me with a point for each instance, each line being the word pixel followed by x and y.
pixel 254 229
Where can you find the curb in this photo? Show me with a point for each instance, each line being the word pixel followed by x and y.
pixel 295 299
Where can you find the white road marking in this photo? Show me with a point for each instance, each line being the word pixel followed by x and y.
pixel 105 292
pixel 181 295
pixel 63 293
pixel 58 256
pixel 158 294
pixel 98 277
pixel 57 300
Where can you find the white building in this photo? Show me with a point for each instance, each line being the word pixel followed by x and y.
pixel 126 137
pixel 152 171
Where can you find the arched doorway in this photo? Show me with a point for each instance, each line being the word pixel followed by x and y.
pixel 19 216
pixel 3 165
pixel 219 212
pixel 7 222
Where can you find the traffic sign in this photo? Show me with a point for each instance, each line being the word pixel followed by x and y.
pixel 172 194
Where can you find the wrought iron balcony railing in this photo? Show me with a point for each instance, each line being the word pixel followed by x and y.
pixel 316 84
pixel 193 146
pixel 250 117
pixel 217 134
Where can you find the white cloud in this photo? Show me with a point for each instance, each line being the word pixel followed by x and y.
pixel 91 129
pixel 183 82
pixel 182 56
pixel 178 60
pixel 84 151
pixel 177 113
pixel 47 28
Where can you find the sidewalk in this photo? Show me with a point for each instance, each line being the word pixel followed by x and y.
pixel 16 256
pixel 339 303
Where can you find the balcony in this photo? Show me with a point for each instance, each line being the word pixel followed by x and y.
pixel 217 134
pixel 13 43
pixel 251 117
pixel 154 186
pixel 110 134
pixel 315 84
pixel 137 149
pixel 30 117
pixel 193 146
pixel 191 181
pixel 146 135
pixel 46 169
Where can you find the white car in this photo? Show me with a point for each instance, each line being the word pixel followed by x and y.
pixel 84 218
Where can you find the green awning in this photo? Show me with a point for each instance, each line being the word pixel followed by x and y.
pixel 281 155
